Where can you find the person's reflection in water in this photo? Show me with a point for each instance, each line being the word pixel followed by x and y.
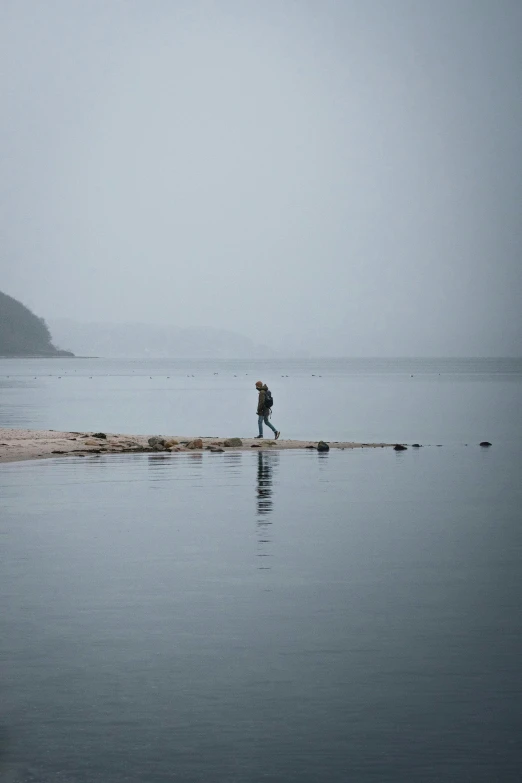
pixel 266 463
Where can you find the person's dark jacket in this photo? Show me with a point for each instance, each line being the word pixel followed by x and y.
pixel 262 410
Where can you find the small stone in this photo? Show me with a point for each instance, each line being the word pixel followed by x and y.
pixel 485 443
pixel 323 446
pixel 399 447
pixel 415 445
pixel 101 435
pixel 255 446
pixel 233 442
pixel 216 451
pixel 310 447
pixel 156 440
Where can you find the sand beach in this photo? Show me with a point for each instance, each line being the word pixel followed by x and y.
pixel 28 444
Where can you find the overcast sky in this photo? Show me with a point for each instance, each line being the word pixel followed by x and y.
pixel 331 172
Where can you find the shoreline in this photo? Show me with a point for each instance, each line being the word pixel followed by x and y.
pixel 18 445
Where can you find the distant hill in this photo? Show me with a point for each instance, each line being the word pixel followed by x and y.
pixel 22 333
pixel 138 341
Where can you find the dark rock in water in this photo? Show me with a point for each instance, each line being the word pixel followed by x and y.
pixel 58 452
pixel 231 442
pixel 415 445
pixel 309 447
pixel 485 443
pixel 217 451
pixel 399 447
pixel 101 435
pixel 156 441
pixel 255 446
pixel 323 446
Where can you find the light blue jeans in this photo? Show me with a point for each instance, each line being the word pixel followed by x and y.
pixel 264 418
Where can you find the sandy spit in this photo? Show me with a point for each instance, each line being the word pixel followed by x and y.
pixel 16 444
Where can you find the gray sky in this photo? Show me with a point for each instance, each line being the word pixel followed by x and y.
pixel 341 174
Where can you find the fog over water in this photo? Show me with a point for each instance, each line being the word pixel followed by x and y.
pixel 339 178
pixel 196 194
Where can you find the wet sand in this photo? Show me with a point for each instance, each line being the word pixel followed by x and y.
pixel 20 444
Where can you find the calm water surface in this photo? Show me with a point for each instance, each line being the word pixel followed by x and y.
pixel 251 617
pixel 448 401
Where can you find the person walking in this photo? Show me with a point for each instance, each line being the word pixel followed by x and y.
pixel 264 405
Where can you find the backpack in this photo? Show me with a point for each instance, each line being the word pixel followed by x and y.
pixel 269 400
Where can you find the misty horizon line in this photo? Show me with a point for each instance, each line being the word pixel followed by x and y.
pixel 218 343
pixel 288 356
